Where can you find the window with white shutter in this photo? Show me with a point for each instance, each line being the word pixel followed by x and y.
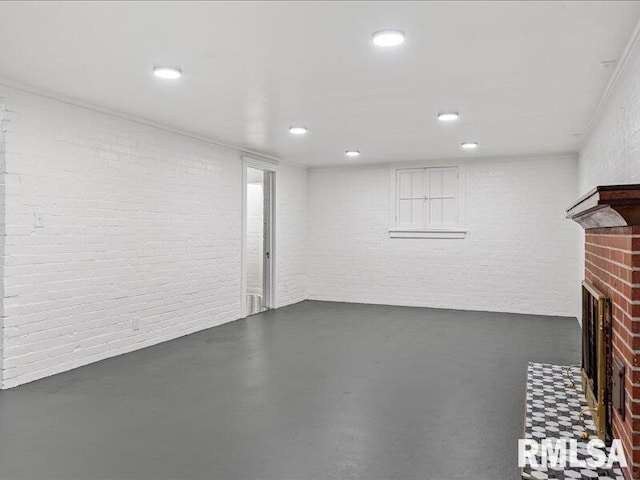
pixel 427 203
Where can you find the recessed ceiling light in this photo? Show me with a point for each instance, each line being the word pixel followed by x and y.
pixel 469 145
pixel 388 38
pixel 298 130
pixel 448 116
pixel 168 73
pixel 352 153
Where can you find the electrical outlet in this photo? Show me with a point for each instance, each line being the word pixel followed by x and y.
pixel 135 323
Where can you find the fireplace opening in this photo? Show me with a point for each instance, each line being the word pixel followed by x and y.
pixel 596 357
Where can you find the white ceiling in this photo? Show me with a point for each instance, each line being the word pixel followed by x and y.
pixel 525 76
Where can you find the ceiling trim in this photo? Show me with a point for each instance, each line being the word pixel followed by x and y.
pixel 612 86
pixel 568 155
pixel 139 120
pixel 259 158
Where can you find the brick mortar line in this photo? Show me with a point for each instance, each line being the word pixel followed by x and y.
pixel 608 235
pixel 627 331
pixel 627 267
pixel 628 315
pixel 632 285
pixel 632 302
pixel 632 252
pixel 633 351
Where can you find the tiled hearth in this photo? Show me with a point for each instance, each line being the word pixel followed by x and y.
pixel 553 411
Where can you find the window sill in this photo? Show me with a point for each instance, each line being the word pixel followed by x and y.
pixel 439 233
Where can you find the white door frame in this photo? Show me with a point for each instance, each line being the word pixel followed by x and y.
pixel 270 285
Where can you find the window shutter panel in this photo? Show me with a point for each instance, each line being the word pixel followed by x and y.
pixel 450 196
pixel 410 205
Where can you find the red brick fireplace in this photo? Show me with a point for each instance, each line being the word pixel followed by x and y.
pixel 610 216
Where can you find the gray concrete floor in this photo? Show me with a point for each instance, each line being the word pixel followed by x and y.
pixel 316 390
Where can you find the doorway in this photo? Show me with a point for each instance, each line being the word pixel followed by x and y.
pixel 258 240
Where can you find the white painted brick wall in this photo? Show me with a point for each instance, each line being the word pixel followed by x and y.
pixel 137 222
pixel 610 153
pixel 3 124
pixel 519 255
pixel 291 234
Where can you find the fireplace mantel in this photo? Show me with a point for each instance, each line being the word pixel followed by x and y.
pixel 607 206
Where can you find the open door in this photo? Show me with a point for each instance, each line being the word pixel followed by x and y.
pixel 258 240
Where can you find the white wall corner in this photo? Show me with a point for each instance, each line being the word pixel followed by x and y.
pixel 614 82
pixel 609 144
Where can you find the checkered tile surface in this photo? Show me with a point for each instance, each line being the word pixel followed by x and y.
pixel 553 412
